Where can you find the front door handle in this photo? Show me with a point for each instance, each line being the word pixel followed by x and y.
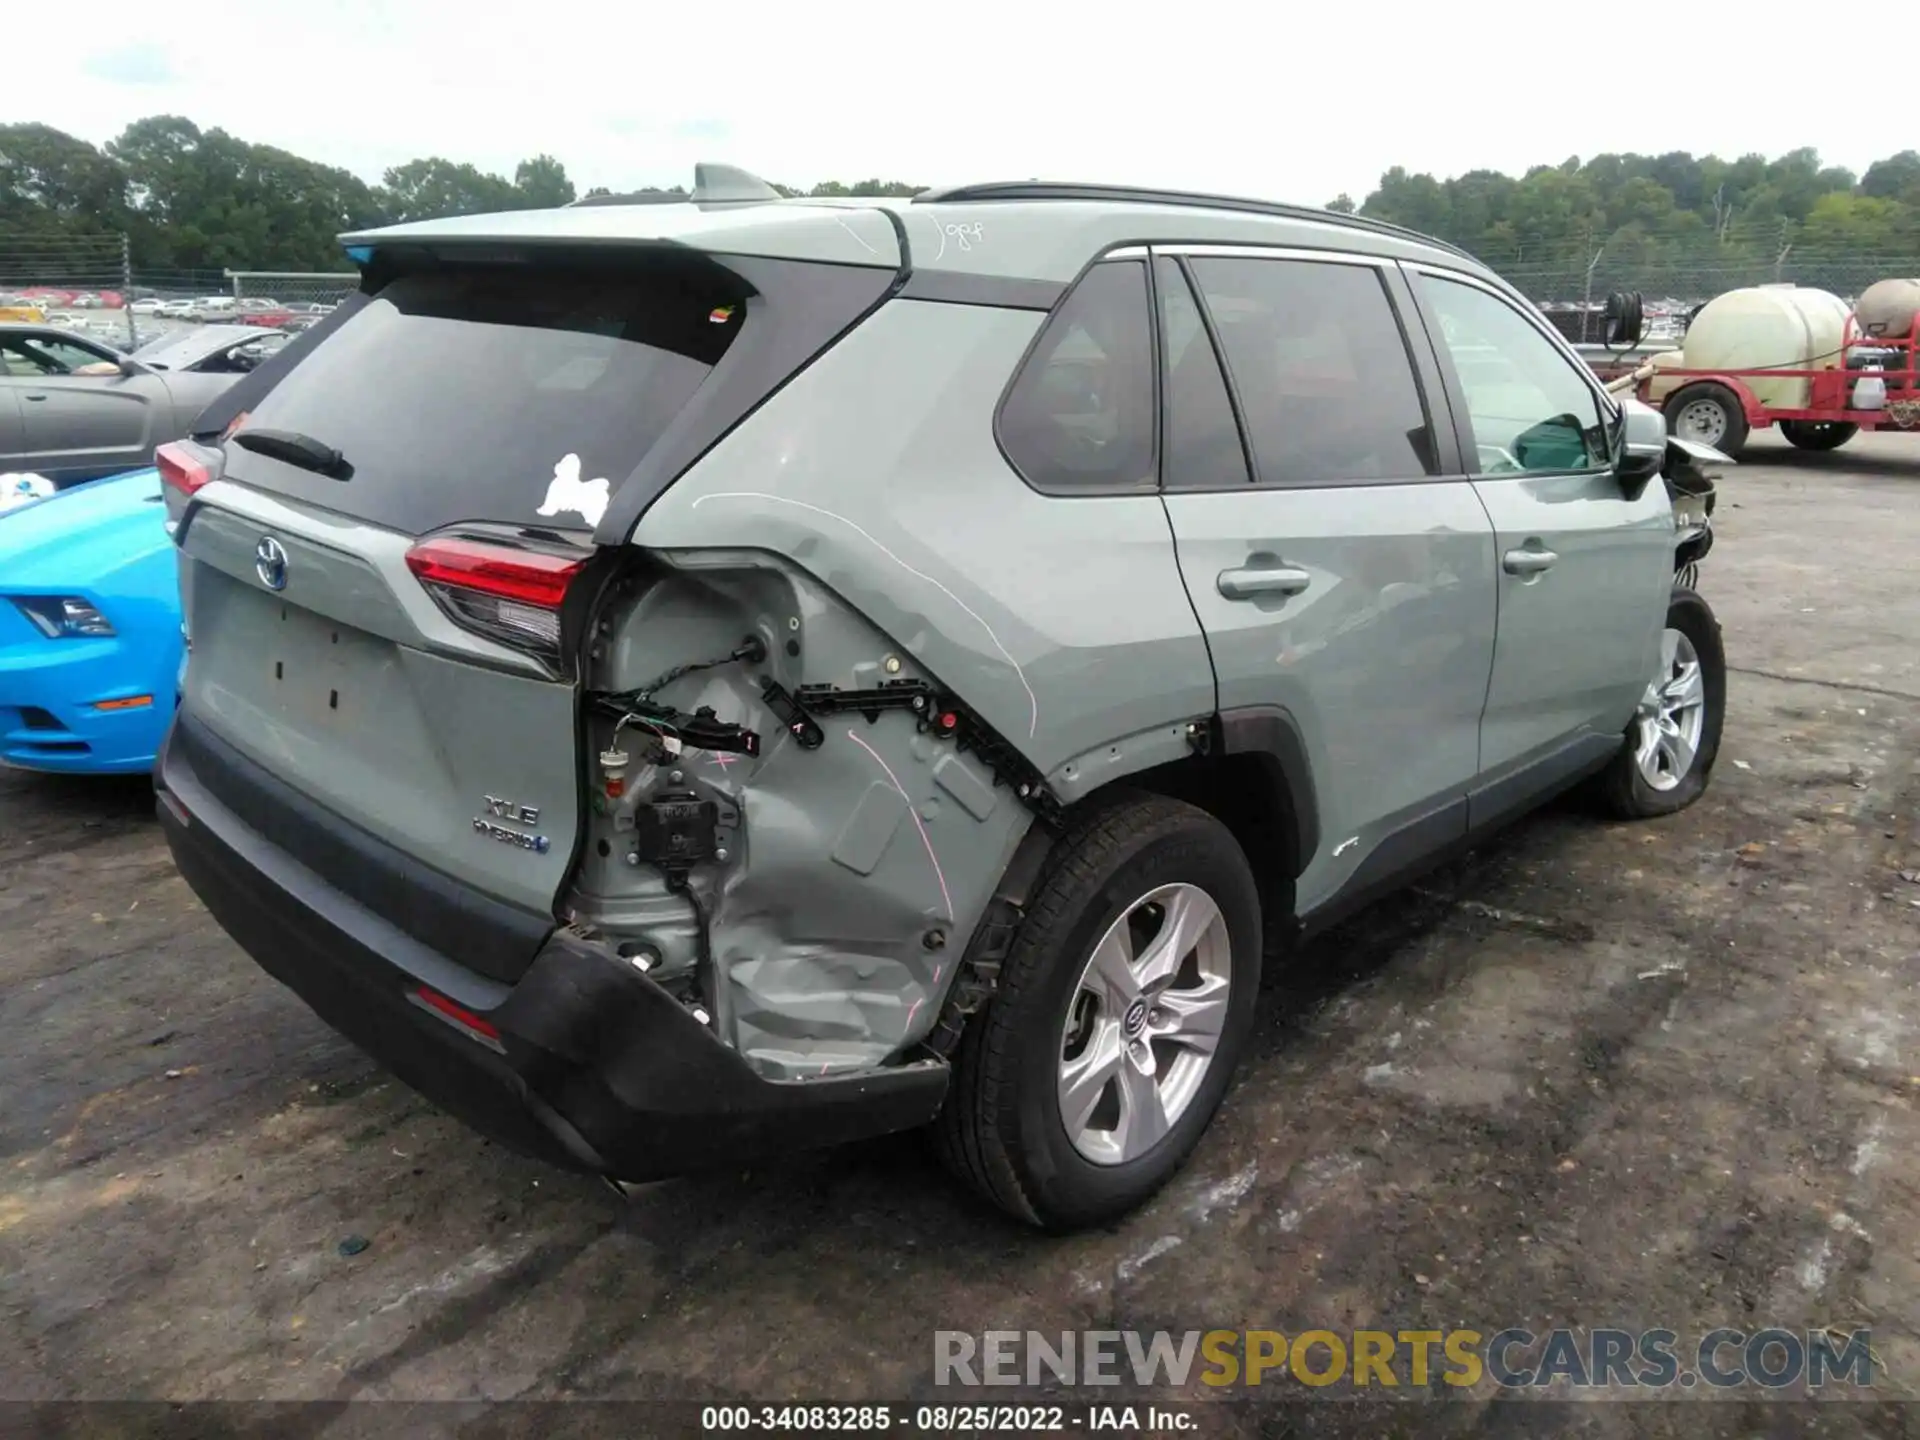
pixel 1528 562
pixel 1248 582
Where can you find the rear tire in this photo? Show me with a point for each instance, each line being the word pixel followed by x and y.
pixel 1665 758
pixel 1051 1033
pixel 1709 414
pixel 1818 434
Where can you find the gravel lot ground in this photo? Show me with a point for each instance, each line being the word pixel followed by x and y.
pixel 1634 1075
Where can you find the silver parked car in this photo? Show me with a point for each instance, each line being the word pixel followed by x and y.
pixel 681 681
pixel 73 407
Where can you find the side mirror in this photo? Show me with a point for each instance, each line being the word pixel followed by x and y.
pixel 1556 444
pixel 130 366
pixel 1643 446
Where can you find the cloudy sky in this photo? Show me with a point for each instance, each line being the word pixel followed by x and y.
pixel 1286 101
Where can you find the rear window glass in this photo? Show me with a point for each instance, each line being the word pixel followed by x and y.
pixel 498 394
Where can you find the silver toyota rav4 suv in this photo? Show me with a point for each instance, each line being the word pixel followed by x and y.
pixel 681 681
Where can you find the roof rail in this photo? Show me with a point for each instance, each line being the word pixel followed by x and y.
pixel 635 197
pixel 1139 195
pixel 712 185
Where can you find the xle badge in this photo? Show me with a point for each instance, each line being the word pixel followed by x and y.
pixel 498 810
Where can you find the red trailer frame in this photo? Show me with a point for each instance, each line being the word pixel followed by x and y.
pixel 1831 391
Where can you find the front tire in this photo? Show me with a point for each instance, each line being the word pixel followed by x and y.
pixel 1818 434
pixel 1668 752
pixel 1124 1004
pixel 1708 414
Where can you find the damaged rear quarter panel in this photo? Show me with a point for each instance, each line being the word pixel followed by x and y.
pixel 869 501
pixel 852 873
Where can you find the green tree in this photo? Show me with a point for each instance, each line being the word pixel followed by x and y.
pixel 205 199
pixel 430 188
pixel 1895 178
pixel 864 187
pixel 51 180
pixel 543 183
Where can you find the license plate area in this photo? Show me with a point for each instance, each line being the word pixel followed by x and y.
pixel 316 673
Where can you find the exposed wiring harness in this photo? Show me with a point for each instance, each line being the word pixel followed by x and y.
pixel 751 651
pixel 674 729
pixel 681 883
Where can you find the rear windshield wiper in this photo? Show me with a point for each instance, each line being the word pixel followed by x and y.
pixel 296 449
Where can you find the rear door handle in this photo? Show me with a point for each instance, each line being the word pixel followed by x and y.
pixel 33 397
pixel 1528 562
pixel 1246 583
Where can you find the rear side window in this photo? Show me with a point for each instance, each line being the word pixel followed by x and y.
pixel 1324 380
pixel 496 393
pixel 1204 449
pixel 1079 415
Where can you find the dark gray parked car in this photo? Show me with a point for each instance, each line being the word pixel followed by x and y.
pixel 74 408
pixel 686 680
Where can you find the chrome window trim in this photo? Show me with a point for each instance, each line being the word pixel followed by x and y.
pixel 1204 250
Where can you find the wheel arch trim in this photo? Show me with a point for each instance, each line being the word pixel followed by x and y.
pixel 1270 732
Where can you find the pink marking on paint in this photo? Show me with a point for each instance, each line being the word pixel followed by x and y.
pixel 936 973
pixel 925 839
pixel 913 1010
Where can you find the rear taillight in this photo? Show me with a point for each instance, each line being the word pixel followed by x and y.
pixel 184 467
pixel 500 591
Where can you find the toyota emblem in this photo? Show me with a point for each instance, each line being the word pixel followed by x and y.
pixel 270 563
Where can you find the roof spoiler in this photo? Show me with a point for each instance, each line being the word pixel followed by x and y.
pixel 712 185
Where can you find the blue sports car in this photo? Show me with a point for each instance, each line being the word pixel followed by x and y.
pixel 90 645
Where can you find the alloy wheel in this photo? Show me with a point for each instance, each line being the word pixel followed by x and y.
pixel 1672 715
pixel 1144 1022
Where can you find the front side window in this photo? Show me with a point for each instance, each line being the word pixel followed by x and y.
pixel 1079 416
pixel 1326 386
pixel 1528 405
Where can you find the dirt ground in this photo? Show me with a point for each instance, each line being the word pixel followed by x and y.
pixel 1655 1075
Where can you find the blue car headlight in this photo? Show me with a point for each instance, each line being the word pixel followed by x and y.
pixel 63 617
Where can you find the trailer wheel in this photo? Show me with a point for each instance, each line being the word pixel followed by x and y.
pixel 1818 434
pixel 1708 414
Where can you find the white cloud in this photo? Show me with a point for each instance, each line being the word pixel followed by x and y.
pixel 1284 101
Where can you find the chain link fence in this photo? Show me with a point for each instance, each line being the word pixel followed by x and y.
pixel 272 288
pixel 1577 278
pixel 77 282
pixel 88 284
pixel 1571 282
pixel 88 281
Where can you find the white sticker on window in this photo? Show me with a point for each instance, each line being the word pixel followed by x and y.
pixel 569 492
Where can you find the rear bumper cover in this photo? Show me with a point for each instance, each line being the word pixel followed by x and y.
pixel 596 1068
